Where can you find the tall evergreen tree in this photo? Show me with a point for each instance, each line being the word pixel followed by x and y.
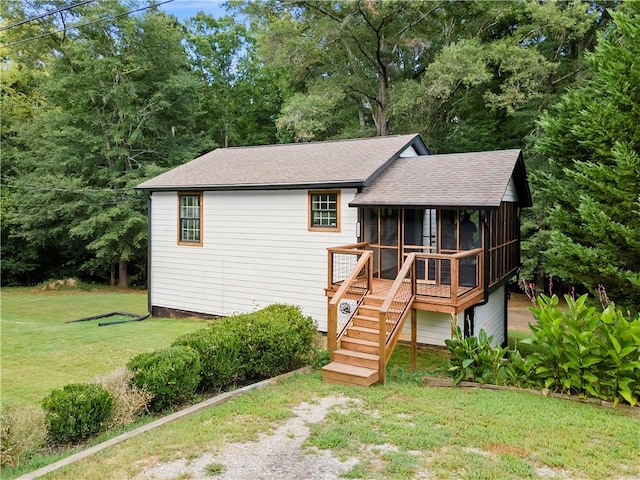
pixel 592 187
pixel 121 103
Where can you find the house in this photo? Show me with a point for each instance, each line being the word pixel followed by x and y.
pixel 362 234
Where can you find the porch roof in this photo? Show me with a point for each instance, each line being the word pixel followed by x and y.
pixel 333 164
pixel 477 179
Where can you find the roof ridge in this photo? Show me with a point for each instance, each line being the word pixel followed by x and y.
pixel 319 142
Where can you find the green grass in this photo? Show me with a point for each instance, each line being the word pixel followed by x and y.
pixel 41 352
pixel 402 430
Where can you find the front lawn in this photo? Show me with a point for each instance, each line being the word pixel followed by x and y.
pixel 401 430
pixel 41 352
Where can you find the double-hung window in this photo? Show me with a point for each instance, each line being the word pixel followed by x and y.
pixel 324 211
pixel 190 218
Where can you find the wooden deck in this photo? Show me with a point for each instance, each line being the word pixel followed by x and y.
pixel 433 298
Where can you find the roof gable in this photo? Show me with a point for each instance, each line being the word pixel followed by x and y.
pixel 477 179
pixel 332 164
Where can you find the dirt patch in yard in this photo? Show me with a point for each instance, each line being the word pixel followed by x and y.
pixel 519 315
pixel 279 455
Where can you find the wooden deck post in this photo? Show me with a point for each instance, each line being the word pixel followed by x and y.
pixel 382 361
pixel 455 278
pixel 332 328
pixel 414 339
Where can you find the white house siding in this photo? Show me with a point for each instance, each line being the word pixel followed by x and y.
pixel 433 327
pixel 510 194
pixel 491 316
pixel 409 152
pixel 257 250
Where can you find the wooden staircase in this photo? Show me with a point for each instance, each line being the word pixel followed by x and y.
pixel 357 361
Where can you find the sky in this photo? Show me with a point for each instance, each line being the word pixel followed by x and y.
pixel 184 9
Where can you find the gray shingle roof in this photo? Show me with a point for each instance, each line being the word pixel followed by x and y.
pixel 344 162
pixel 477 179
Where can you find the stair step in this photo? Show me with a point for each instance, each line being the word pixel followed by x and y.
pixel 342 373
pixel 364 333
pixel 366 321
pixel 372 301
pixel 350 343
pixel 359 359
pixel 369 310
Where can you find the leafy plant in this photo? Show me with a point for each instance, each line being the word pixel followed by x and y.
pixel 619 372
pixel 520 371
pixel 584 352
pixel 475 358
pixel 171 375
pixel 77 411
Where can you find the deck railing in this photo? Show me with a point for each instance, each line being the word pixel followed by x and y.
pixel 394 310
pixel 449 276
pixel 345 302
pixel 342 260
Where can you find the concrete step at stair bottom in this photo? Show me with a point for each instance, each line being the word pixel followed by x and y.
pixel 358 359
pixel 359 345
pixel 344 374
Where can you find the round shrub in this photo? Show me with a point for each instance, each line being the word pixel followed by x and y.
pixel 256 345
pixel 219 346
pixel 278 339
pixel 77 411
pixel 171 375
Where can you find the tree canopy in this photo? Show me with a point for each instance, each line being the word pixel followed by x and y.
pixel 591 188
pixel 100 96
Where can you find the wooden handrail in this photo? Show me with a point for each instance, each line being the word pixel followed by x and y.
pixel 402 274
pixel 352 276
pixel 454 262
pixel 332 322
pixel 344 249
pixel 351 246
pixel 449 256
pixel 407 267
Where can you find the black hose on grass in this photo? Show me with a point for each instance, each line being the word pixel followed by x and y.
pixel 134 318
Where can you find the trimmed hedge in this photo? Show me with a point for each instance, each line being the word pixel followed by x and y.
pixel 171 375
pixel 261 344
pixel 77 411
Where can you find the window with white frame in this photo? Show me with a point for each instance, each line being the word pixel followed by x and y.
pixel 324 211
pixel 190 218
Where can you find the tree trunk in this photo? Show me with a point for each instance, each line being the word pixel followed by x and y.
pixel 123 281
pixel 113 275
pixel 382 122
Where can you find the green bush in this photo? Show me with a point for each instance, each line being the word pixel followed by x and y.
pixel 584 352
pixel 475 358
pixel 277 339
pixel 619 371
pixel 171 375
pixel 77 411
pixel 219 346
pixel 257 345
